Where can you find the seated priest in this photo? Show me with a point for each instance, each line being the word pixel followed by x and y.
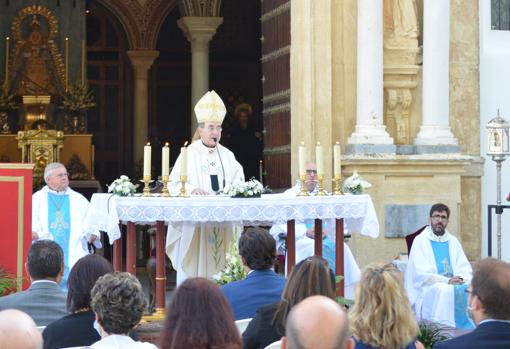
pixel 305 243
pixel 438 273
pixel 200 249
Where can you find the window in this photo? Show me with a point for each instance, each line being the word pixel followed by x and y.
pixel 500 14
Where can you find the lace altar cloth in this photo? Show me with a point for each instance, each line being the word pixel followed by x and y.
pixel 107 210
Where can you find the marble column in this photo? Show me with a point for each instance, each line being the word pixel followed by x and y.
pixel 370 129
pixel 142 61
pixel 199 31
pixel 435 129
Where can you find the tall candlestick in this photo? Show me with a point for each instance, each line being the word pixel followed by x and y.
pixel 83 60
pixel 261 172
pixel 7 44
pixel 165 159
pixel 319 159
pixel 184 160
pixel 66 53
pixel 302 159
pixel 93 157
pixel 336 160
pixel 147 160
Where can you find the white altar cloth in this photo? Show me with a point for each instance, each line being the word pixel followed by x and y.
pixel 106 211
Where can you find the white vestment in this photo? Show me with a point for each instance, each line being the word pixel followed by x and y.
pixel 430 295
pixel 305 246
pixel 78 206
pixel 200 249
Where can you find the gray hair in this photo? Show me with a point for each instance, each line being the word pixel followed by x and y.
pixel 50 168
pixel 119 302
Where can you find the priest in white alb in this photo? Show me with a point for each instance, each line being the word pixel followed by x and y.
pixel 438 273
pixel 200 249
pixel 58 213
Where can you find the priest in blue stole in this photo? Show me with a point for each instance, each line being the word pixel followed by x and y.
pixel 58 213
pixel 438 273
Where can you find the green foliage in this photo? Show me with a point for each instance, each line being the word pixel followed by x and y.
pixel 233 270
pixel 7 281
pixel 7 101
pixel 78 97
pixel 345 302
pixel 430 333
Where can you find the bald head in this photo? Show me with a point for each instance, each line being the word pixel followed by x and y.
pixel 317 322
pixel 18 331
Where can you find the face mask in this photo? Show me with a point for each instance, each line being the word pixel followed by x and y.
pixel 97 327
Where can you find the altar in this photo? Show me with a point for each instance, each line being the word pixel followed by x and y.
pixel 107 211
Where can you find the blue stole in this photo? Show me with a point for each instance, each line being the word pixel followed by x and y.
pixel 59 225
pixel 328 246
pixel 444 267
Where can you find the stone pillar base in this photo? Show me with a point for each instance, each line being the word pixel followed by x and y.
pixel 351 149
pixel 435 135
pixel 370 134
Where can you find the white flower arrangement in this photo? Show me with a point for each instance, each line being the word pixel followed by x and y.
pixel 122 186
pixel 355 184
pixel 251 188
pixel 233 270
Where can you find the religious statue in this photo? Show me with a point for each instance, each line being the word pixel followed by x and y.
pixel 401 23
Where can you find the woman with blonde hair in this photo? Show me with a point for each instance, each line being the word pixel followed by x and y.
pixel 382 317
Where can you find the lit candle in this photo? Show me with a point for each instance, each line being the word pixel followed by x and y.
pixel 7 44
pixel 319 159
pixel 83 59
pixel 66 53
pixel 336 160
pixel 147 160
pixel 184 160
pixel 165 157
pixel 302 159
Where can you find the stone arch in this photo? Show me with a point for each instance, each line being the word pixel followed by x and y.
pixel 157 18
pixel 125 15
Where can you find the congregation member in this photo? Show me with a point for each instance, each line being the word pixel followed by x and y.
pixel 44 301
pixel 305 234
pixel 199 317
pixel 77 328
pixel 118 302
pixel 489 306
pixel 309 277
pixel 382 316
pixel 58 213
pixel 262 285
pixel 193 248
pixel 18 331
pixel 438 273
pixel 317 322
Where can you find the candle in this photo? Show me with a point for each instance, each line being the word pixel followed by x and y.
pixel 83 59
pixel 302 161
pixel 66 53
pixel 261 170
pixel 319 159
pixel 7 44
pixel 184 160
pixel 165 159
pixel 336 160
pixel 147 160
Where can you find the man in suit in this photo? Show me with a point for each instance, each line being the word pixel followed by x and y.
pixel 489 306
pixel 18 330
pixel 262 286
pixel 44 301
pixel 317 322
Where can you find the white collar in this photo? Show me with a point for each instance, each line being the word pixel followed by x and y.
pixel 49 190
pixel 429 234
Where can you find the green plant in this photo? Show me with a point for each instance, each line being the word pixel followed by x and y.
pixel 345 302
pixel 431 333
pixel 7 281
pixel 77 97
pixel 7 100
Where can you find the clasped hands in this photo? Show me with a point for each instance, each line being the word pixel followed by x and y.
pixel 456 280
pixel 311 233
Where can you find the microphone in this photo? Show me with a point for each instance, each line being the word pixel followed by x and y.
pixel 221 162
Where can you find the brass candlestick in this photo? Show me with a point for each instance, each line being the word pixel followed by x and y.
pixel 165 192
pixel 303 191
pixel 146 182
pixel 321 191
pixel 183 193
pixel 338 185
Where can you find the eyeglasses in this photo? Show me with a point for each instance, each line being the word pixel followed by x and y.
pixel 310 172
pixel 439 217
pixel 60 175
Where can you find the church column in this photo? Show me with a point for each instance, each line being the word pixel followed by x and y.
pixel 142 60
pixel 199 31
pixel 370 129
pixel 435 129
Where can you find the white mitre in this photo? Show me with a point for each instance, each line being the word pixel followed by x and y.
pixel 210 108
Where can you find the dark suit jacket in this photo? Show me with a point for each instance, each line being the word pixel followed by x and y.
pixel 260 332
pixel 492 334
pixel 44 301
pixel 259 288
pixel 75 330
